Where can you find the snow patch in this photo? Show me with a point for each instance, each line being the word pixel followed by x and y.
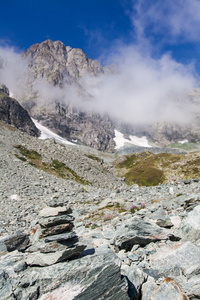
pixel 134 140
pixel 11 94
pixel 48 134
pixel 183 142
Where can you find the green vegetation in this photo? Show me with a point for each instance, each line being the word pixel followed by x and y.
pixel 93 157
pixel 65 172
pixel 55 167
pixel 141 169
pixel 30 154
pixel 148 169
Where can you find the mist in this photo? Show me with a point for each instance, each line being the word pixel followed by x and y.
pixel 14 71
pixel 145 89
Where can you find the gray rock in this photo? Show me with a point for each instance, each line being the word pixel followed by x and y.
pixel 5 286
pixel 57 229
pixel 61 237
pixel 189 227
pixel 24 294
pixel 57 220
pixel 4 89
pixel 179 257
pixel 192 287
pixel 135 277
pixel 192 201
pixel 47 259
pixel 138 231
pixel 164 222
pixel 148 288
pixel 90 273
pixel 168 289
pixel 17 241
pixel 54 211
pixel 11 112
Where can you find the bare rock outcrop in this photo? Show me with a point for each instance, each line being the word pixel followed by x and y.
pixel 11 112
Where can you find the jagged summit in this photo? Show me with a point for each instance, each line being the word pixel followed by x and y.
pixel 54 61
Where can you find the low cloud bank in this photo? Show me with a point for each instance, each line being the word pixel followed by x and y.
pixel 144 90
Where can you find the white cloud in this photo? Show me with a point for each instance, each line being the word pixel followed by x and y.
pixel 13 70
pixel 178 19
pixel 145 90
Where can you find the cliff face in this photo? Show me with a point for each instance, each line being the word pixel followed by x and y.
pixel 62 66
pixel 64 70
pixel 11 112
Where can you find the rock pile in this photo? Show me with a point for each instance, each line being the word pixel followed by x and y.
pixel 53 239
pixel 51 242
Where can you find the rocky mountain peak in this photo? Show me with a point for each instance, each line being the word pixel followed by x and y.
pixel 54 61
pixel 48 60
pixel 63 66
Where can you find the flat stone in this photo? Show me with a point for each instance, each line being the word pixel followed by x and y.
pixel 54 211
pixel 54 230
pixel 48 259
pixel 61 237
pixel 57 220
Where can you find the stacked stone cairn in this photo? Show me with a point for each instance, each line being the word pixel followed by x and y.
pixel 52 239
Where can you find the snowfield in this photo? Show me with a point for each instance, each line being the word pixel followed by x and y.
pixel 134 140
pixel 48 134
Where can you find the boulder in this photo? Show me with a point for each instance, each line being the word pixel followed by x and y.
pixel 189 227
pixel 169 290
pixel 176 258
pixel 138 231
pixel 95 276
pixel 17 241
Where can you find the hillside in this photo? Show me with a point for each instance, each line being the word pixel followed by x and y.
pixel 152 169
pixel 68 224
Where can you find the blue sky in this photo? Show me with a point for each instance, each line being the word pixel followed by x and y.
pixel 97 26
pixel 155 43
